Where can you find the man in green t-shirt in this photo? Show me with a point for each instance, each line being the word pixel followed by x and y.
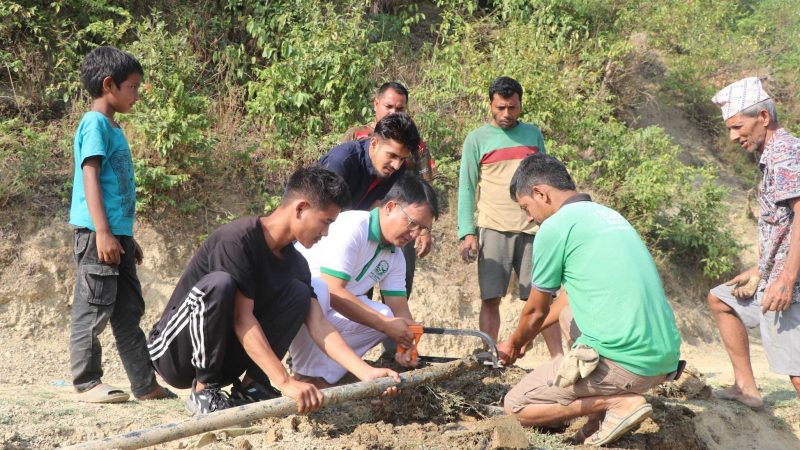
pixel 626 340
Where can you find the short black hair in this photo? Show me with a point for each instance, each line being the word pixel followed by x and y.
pixel 540 168
pixel 319 185
pixel 105 62
pixel 400 128
pixel 506 87
pixel 411 190
pixel 393 85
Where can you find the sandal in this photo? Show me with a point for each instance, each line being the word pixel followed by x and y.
pixel 103 393
pixel 614 427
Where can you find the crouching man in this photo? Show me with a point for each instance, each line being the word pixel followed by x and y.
pixel 626 337
pixel 242 299
pixel 364 249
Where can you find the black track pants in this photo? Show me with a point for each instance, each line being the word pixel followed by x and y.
pixel 196 339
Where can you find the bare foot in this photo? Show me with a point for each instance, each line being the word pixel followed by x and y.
pixel 157 393
pixel 796 383
pixel 734 393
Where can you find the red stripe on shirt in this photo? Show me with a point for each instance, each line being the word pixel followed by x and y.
pixel 509 153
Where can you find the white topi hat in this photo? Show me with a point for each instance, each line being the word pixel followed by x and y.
pixel 740 95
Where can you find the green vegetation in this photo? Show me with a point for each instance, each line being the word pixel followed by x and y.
pixel 240 93
pixel 23 152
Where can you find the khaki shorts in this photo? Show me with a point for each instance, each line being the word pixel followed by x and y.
pixel 500 252
pixel 608 378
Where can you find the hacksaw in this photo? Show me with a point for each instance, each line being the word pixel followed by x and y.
pixel 489 356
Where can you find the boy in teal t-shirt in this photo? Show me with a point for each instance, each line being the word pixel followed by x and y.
pixel 626 339
pixel 107 288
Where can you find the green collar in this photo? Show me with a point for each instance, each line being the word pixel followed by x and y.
pixel 375 230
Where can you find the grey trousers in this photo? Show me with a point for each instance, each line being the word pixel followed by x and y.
pixel 104 294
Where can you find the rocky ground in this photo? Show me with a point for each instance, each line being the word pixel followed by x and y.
pixel 446 415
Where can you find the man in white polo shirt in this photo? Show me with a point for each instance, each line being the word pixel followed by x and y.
pixel 363 248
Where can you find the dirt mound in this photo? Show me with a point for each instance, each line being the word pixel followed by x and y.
pixel 692 384
pixel 671 427
pixel 494 433
pixel 452 414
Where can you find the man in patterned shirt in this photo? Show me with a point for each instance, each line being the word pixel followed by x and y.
pixel 767 295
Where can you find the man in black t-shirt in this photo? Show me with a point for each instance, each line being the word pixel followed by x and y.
pixel 242 299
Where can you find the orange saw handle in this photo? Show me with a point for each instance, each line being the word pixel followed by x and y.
pixel 418 331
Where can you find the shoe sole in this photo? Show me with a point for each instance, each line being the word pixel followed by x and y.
pixel 114 398
pixel 627 424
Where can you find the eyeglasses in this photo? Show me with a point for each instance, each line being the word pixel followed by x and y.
pixel 413 225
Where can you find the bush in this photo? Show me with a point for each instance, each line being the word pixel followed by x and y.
pixel 23 153
pixel 55 36
pixel 318 67
pixel 676 208
pixel 172 139
pixel 560 53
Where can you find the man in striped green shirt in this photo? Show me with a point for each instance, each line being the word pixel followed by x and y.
pixel 499 235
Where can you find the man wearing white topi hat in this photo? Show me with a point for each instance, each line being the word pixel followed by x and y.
pixel 766 296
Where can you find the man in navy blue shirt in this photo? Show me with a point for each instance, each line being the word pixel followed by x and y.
pixel 370 167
